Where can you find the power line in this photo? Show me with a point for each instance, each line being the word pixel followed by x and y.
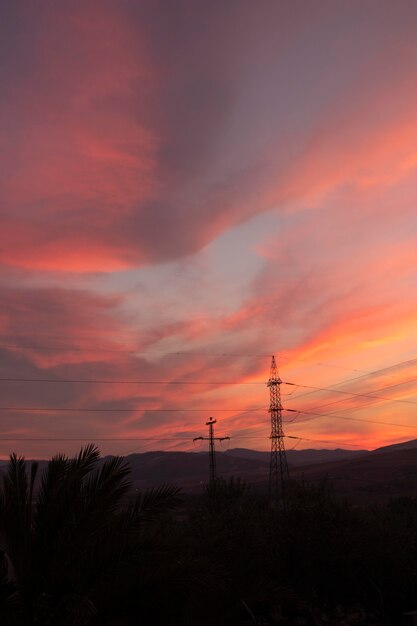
pixel 177 353
pixel 177 439
pixel 353 419
pixel 384 388
pixel 181 382
pixel 94 438
pixel 358 395
pixel 195 409
pixel 138 351
pixel 218 383
pixel 130 382
pixel 201 382
pixel 342 443
pixel 366 375
pixel 120 410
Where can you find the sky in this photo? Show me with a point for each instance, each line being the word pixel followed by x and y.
pixel 189 187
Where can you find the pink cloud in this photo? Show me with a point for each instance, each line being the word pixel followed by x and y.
pixel 127 127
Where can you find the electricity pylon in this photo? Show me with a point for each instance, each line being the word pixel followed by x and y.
pixel 212 457
pixel 278 466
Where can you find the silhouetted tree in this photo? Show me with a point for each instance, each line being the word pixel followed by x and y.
pixel 72 546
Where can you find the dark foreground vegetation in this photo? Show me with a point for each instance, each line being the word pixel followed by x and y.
pixel 78 549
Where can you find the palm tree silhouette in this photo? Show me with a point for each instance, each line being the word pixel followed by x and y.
pixel 71 543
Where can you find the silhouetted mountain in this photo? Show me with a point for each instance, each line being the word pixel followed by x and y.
pixel 384 473
pixel 186 469
pixel 405 445
pixel 299 457
pixel 189 469
pixel 360 475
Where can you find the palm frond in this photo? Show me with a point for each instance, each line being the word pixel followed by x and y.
pixel 52 478
pixel 107 485
pixel 15 482
pixel 153 503
pixel 15 507
pixel 86 459
pixel 166 497
pixel 49 490
pixel 33 472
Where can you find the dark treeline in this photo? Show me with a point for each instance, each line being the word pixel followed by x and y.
pixel 77 548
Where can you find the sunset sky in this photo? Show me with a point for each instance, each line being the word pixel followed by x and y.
pixel 188 187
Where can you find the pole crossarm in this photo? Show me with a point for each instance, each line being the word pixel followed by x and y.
pixel 211 439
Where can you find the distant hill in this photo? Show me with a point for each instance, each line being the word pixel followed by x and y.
pixel 190 469
pixel 186 469
pixel 361 476
pixel 384 473
pixel 405 445
pixel 299 457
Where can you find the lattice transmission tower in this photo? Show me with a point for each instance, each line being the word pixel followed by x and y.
pixel 278 467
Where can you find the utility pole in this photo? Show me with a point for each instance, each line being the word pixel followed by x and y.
pixel 212 456
pixel 278 467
